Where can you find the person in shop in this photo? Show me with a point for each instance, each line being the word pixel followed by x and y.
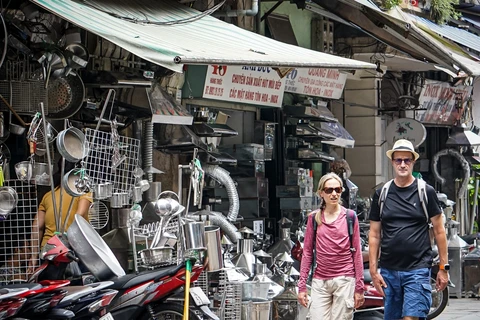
pixel 342 169
pixel 44 223
pixel 399 228
pixel 337 283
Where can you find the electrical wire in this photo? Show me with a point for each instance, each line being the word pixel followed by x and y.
pixel 158 23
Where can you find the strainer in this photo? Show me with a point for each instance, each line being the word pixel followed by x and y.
pixel 65 96
pixel 8 200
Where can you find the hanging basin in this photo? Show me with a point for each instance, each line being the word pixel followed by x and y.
pixel 93 251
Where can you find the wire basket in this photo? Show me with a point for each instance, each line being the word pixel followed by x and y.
pixel 25 96
pixel 98 162
pixel 16 234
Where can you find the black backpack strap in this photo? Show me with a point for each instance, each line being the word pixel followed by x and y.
pixel 350 224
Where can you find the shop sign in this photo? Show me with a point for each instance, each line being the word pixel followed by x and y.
pixel 442 103
pixel 408 129
pixel 317 82
pixel 247 84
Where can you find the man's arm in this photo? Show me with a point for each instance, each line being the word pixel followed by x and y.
pixel 374 245
pixel 441 240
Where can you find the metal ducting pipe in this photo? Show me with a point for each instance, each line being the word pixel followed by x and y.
pixel 148 148
pixel 236 13
pixel 464 163
pixel 218 219
pixel 223 176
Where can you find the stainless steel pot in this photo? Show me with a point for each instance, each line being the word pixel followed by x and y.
pixel 119 199
pixel 71 144
pixel 194 233
pixel 102 191
pixel 93 251
pixel 8 200
pixel 157 256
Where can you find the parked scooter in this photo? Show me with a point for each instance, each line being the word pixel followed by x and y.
pixel 144 295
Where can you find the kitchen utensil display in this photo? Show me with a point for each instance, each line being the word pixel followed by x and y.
pixel 93 251
pixel 98 215
pixel 71 144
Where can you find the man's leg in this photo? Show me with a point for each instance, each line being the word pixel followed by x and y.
pixel 393 300
pixel 321 306
pixel 417 293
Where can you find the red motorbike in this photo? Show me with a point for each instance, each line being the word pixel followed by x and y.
pixel 150 294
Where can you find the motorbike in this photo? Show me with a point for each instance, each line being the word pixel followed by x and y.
pixel 146 295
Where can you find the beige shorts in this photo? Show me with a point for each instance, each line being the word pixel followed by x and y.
pixel 332 299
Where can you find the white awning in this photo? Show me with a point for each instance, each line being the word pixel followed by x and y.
pixel 168 42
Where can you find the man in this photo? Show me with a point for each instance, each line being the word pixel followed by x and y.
pixel 402 230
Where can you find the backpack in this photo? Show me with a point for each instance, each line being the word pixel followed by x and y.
pixel 422 194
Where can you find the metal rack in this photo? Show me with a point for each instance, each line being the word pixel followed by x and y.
pixel 98 163
pixel 227 294
pixel 25 96
pixel 16 233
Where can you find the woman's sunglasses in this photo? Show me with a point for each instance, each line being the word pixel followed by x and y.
pixel 330 190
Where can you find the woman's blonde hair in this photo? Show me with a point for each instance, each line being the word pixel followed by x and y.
pixel 321 185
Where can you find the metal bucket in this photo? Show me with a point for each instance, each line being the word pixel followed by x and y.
pixel 194 234
pixel 253 310
pixel 214 250
pixel 71 144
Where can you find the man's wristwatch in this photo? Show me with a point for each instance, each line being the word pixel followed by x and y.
pixel 445 267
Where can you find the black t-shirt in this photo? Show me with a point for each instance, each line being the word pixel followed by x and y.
pixel 405 241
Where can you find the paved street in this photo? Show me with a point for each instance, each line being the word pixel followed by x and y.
pixel 461 309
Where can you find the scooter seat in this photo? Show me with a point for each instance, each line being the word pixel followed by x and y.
pixel 131 280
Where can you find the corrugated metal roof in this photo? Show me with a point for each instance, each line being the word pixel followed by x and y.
pixel 204 41
pixel 472 20
pixel 457 35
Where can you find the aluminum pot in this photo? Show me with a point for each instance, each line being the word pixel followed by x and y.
pixel 8 200
pixel 71 144
pixel 102 191
pixel 93 251
pixel 119 199
pixel 156 256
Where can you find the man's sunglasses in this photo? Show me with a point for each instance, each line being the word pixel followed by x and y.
pixel 399 161
pixel 330 190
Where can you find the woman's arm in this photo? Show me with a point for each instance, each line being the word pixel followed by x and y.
pixel 83 207
pixel 307 256
pixel 357 258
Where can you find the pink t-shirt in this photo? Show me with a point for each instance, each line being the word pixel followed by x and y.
pixel 334 257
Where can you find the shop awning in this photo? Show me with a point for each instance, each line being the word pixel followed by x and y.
pixel 398 30
pixel 176 34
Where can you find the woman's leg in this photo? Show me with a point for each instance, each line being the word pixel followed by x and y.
pixel 343 298
pixel 321 306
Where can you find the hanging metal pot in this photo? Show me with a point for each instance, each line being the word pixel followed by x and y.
pixel 8 201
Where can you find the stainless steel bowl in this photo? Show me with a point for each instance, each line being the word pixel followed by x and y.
pixel 157 256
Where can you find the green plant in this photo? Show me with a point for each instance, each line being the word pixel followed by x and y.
pixel 389 4
pixel 442 10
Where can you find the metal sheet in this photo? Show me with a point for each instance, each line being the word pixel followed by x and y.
pixel 203 41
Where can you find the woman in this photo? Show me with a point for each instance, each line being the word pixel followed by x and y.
pixel 44 223
pixel 337 285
